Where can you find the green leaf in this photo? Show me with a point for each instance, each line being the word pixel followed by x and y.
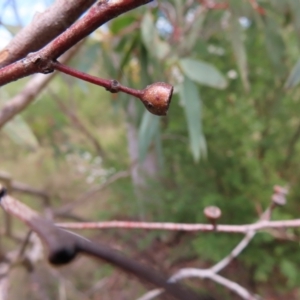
pixel 189 95
pixel 88 58
pixel 294 77
pixel 152 41
pixel 149 128
pixel 127 52
pixel 203 73
pixel 290 271
pixel 236 38
pixel 275 45
pixel 117 24
pixel 295 11
pixel 193 34
pixel 19 131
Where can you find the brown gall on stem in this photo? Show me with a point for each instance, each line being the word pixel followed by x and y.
pixel 157 97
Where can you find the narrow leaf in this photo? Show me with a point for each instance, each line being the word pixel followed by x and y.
pixel 152 41
pixel 275 44
pixel 294 77
pixel 236 39
pixel 295 11
pixel 190 97
pixel 118 24
pixel 203 73
pixel 148 130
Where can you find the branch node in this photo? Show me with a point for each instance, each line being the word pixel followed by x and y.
pixel 212 213
pixel 114 86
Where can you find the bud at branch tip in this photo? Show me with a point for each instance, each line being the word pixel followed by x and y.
pixel 155 97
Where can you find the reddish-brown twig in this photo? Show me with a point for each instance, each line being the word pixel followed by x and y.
pixel 41 61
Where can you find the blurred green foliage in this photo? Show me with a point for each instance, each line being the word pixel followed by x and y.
pixel 232 131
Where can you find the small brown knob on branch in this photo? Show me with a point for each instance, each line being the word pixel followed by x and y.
pixel 212 213
pixel 279 196
pixel 280 190
pixel 157 97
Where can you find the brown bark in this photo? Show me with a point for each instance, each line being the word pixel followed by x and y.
pixel 44 28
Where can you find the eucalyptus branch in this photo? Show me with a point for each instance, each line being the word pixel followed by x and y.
pixel 30 91
pixel 40 62
pixel 155 97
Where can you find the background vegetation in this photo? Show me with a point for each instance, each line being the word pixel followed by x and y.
pixel 232 132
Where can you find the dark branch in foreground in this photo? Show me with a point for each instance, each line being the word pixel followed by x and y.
pixel 40 62
pixel 43 29
pixel 63 246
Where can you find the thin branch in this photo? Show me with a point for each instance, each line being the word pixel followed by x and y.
pixel 155 97
pixel 40 61
pixel 234 253
pixel 209 274
pixel 20 187
pixel 262 225
pixel 75 120
pixel 29 92
pixel 82 199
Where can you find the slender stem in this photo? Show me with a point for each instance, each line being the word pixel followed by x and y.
pixel 111 85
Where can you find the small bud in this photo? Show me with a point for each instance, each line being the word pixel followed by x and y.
pixel 278 199
pixel 157 97
pixel 280 190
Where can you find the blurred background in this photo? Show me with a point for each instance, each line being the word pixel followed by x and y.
pixel 231 134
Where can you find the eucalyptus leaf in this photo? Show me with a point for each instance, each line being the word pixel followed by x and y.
pixel 190 97
pixel 295 11
pixel 275 44
pixel 123 21
pixel 294 77
pixel 87 60
pixel 19 132
pixel 149 128
pixel 236 38
pixel 151 39
pixel 203 73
